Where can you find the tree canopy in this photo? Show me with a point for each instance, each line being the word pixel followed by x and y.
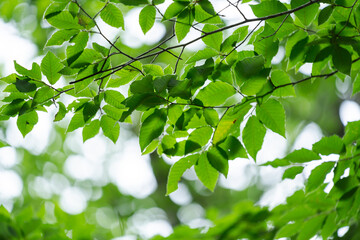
pixel 275 68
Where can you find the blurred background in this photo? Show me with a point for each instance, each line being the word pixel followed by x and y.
pixel 102 190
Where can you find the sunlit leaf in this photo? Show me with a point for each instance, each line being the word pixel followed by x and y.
pixel 152 127
pixel 147 18
pixel 26 122
pixel 177 170
pixel 272 114
pixel 292 172
pixel 91 130
pixel 253 136
pixel 113 16
pixel 110 128
pixel 206 173
pixel 50 66
pixel 318 175
pixel 329 145
pixel 341 59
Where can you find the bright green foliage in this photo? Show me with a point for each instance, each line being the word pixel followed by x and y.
pixel 205 107
pixel 91 130
pixel 207 174
pixel 272 114
pixel 318 175
pixel 110 127
pixel 50 66
pixel 26 122
pixel 253 136
pixel 177 170
pixel 213 40
pixel 63 20
pixel 292 172
pixel 113 16
pixel 306 15
pixel 329 145
pixel 151 128
pixel 147 18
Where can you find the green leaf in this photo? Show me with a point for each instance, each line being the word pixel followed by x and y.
pixel 202 16
pixel 110 128
pixel 87 57
pixel 141 101
pixel 177 170
pixel 237 36
pixel 228 121
pixel 113 16
pixel 50 66
pixel 282 83
pixel 248 68
pixel 113 112
pixel 145 85
pixel 174 9
pixel 318 175
pixel 133 2
pixel 147 18
pixel 301 156
pixel 352 132
pixel 211 116
pixel 63 20
pixel 153 69
pixel 206 173
pixel 55 8
pixel 3 144
pixel 156 2
pixel 218 159
pixel 114 98
pixel 90 130
pixel 267 8
pixel 207 7
pixel 24 85
pixel 356 85
pixel 42 95
pixel 198 138
pixel 329 145
pixel 34 73
pixel 272 114
pixel 202 54
pixel 292 172
pixel 311 227
pixel 152 127
pixel 76 122
pixel 210 96
pixel 213 40
pixel 61 36
pixel 266 44
pixel 343 186
pixel 233 148
pixel 9 79
pixel 324 14
pixel 26 122
pixel 89 111
pixel 61 113
pixel 289 230
pixel 161 83
pixel 183 24
pixel 86 80
pixel 307 14
pixel 253 136
pixel 152 147
pixel 330 225
pixel 341 59
pixel 100 49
